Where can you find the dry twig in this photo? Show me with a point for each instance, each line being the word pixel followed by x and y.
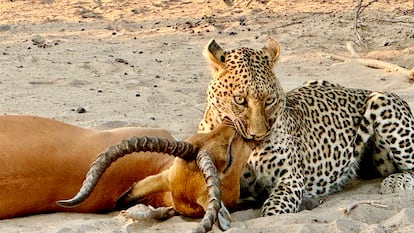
pixel 373 63
pixel 360 7
pixel 348 209
pixel 350 47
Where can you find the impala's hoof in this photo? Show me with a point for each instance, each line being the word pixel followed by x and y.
pixel 224 218
pixel 147 213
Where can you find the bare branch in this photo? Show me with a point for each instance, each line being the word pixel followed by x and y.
pixel 360 7
pixel 373 63
pixel 348 209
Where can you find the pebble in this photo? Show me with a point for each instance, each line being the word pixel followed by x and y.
pixel 80 110
pixel 242 21
pixel 38 40
pixel 120 60
pixel 4 28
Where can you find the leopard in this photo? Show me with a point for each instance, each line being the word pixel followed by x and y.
pixel 310 141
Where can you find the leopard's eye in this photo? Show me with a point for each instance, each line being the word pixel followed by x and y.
pixel 240 100
pixel 269 101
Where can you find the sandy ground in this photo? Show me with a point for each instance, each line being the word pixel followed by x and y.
pixel 140 63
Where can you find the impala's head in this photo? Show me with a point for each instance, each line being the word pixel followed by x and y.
pixel 244 88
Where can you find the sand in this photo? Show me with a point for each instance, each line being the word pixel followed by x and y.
pixel 140 63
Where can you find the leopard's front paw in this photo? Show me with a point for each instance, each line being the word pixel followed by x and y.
pixel 397 182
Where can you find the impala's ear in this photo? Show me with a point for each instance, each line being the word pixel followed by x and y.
pixel 272 50
pixel 215 55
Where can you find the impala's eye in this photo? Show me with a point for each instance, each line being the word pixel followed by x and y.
pixel 269 101
pixel 240 100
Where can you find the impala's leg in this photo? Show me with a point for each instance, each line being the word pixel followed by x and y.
pixel 224 218
pixel 144 213
pixel 223 215
pixel 149 185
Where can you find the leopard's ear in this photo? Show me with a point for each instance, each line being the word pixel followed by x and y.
pixel 215 55
pixel 272 50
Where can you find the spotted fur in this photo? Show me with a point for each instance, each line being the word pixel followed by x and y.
pixel 311 140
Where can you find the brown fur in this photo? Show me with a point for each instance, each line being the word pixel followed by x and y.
pixel 185 183
pixel 43 160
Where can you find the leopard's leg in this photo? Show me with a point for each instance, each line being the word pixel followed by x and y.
pixel 246 181
pixel 281 194
pixel 278 179
pixel 389 120
pixel 285 197
pixel 382 158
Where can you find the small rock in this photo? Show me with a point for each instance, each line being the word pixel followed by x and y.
pixel 89 14
pixel 389 43
pixel 121 60
pixel 65 230
pixel 109 27
pixel 78 83
pixel 80 110
pixel 242 21
pixel 38 40
pixel 4 28
pixel 47 1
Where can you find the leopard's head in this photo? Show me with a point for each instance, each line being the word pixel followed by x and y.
pixel 244 88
